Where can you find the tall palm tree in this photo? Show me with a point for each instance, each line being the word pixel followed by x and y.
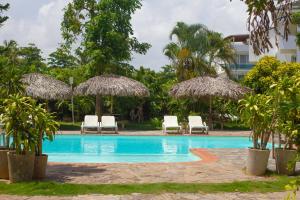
pixel 197 51
pixel 191 40
pixel 220 52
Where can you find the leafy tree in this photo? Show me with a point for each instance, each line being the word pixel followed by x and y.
pixel 105 29
pixel 267 72
pixel 62 58
pixel 3 7
pixel 10 78
pixel 10 50
pixel 31 59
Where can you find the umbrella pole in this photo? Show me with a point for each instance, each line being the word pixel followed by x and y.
pixel 98 106
pixel 111 104
pixel 210 115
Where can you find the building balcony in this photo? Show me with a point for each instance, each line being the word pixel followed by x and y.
pixel 241 66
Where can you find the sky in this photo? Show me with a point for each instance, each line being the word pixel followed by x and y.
pixel 38 22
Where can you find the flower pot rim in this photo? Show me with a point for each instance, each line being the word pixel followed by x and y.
pixel 285 149
pixel 251 148
pixel 14 153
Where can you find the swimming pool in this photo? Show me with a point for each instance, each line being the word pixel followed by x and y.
pixel 134 149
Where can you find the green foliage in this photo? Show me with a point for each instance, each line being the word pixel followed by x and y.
pixel 44 126
pixel 17 118
pixel 278 109
pixel 260 77
pixel 286 94
pixel 198 51
pixel 295 19
pixel 256 112
pixel 10 78
pixel 27 123
pixel 106 32
pixel 268 71
pixel 62 58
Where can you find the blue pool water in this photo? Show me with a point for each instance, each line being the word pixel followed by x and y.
pixel 134 149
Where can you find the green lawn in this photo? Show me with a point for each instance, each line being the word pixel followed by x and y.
pixel 63 189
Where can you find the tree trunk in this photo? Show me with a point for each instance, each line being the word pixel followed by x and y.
pixel 98 106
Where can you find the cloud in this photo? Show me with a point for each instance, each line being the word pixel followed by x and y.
pixel 156 19
pixel 39 25
pixel 36 21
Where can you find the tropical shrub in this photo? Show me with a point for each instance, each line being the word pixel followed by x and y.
pixel 256 112
pixel 28 123
pixel 267 71
pixel 286 94
pixel 17 117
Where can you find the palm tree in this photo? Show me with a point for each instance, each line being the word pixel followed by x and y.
pixel 220 52
pixel 191 40
pixel 198 51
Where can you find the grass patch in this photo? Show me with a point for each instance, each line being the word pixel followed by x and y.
pixel 146 125
pixel 69 126
pixel 65 189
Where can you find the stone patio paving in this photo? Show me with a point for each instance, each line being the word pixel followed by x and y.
pixel 228 168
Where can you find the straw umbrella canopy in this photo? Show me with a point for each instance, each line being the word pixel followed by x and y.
pixel 42 86
pixel 111 85
pixel 207 86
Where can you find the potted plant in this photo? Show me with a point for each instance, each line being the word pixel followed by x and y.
pixel 287 100
pixel 255 112
pixel 44 127
pixel 17 119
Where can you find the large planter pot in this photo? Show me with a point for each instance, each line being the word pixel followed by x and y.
pixel 40 165
pixel 257 161
pixel 283 158
pixel 20 167
pixel 3 163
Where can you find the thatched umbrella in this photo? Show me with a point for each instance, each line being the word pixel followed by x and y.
pixel 111 85
pixel 41 86
pixel 207 86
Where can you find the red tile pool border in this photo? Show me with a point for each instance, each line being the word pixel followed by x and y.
pixel 205 155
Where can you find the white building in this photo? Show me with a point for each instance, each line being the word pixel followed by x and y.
pixel 242 65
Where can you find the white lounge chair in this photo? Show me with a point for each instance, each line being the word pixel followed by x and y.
pixel 108 122
pixel 90 121
pixel 170 122
pixel 196 123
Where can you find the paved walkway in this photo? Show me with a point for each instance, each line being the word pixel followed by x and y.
pixel 166 196
pixel 228 168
